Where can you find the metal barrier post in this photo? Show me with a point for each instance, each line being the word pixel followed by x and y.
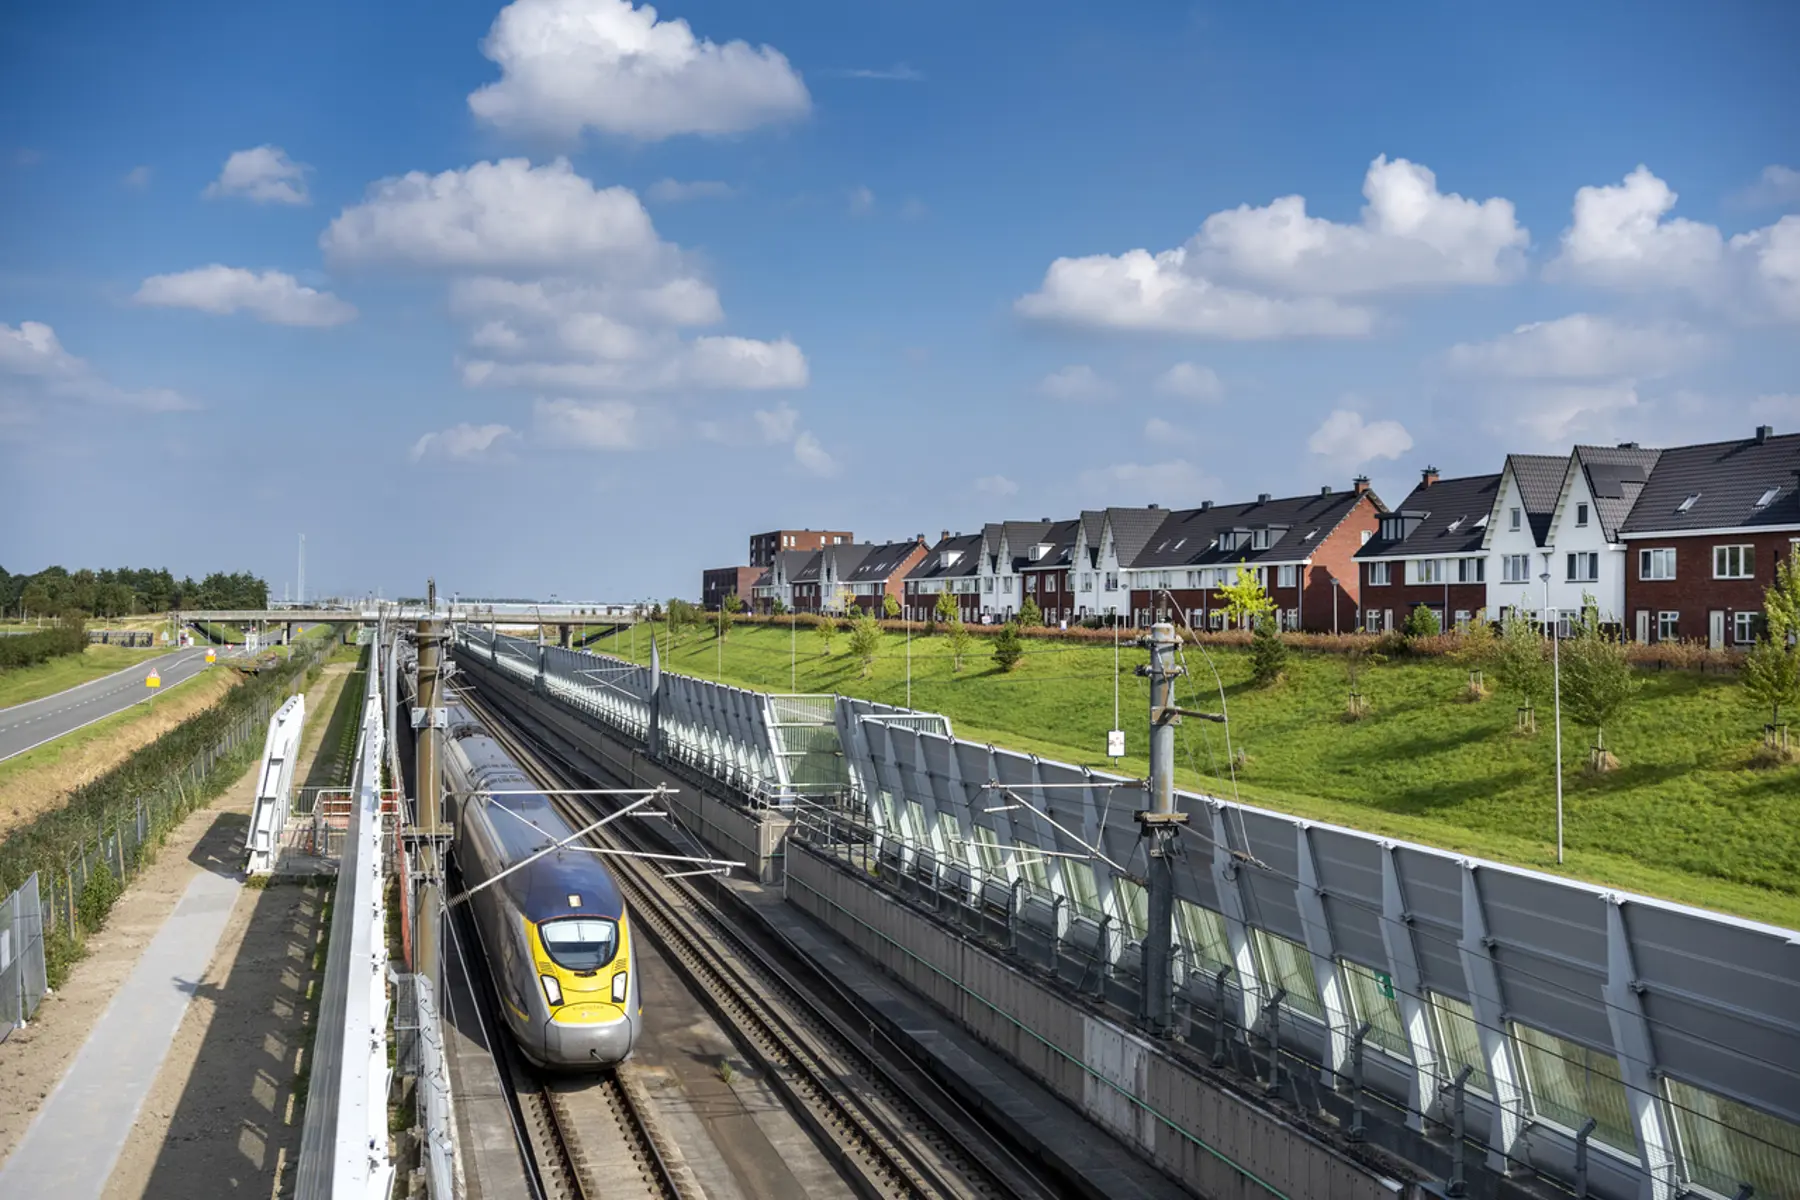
pixel 1581 1158
pixel 1356 1082
pixel 1458 1185
pixel 1273 1086
pixel 1219 1018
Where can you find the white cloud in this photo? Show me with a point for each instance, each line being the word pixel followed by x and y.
pixel 862 200
pixel 1162 294
pixel 1580 346
pixel 1173 484
pixel 463 442
pixel 1621 237
pixel 571 65
pixel 996 485
pixel 271 295
pixel 264 174
pixel 1559 414
pixel 778 424
pixel 735 362
pixel 813 457
pixel 37 373
pixel 138 178
pixel 1274 271
pixel 898 73
pixel 591 425
pixel 670 191
pixel 1167 433
pixel 1346 437
pixel 495 216
pixel 1078 382
pixel 1777 187
pixel 1191 382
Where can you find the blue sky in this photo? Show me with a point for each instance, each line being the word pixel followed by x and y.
pixel 549 298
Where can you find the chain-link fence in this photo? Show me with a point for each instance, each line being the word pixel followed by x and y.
pixel 22 968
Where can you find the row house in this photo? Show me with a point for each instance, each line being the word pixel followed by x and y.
pixel 1302 548
pixel 880 574
pixel 1705 535
pixel 1006 548
pixel 1569 530
pixel 953 566
pixel 775 587
pixel 819 585
pixel 1429 552
pixel 1047 575
pixel 1106 540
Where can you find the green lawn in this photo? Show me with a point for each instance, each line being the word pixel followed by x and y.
pixel 24 684
pixel 1685 816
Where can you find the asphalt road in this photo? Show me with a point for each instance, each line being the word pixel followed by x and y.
pixel 24 726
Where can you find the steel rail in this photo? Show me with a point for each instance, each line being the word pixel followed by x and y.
pixel 889 1140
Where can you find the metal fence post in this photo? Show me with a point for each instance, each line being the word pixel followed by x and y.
pixel 1356 1082
pixel 1273 1086
pixel 1219 1018
pixel 1458 1185
pixel 1581 1158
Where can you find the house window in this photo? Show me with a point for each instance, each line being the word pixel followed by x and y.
pixel 1167 580
pixel 1031 583
pixel 1584 568
pixel 1745 626
pixel 1471 570
pixel 1378 573
pixel 1668 626
pixel 987 583
pixel 1656 564
pixel 1112 581
pixel 1515 520
pixel 1218 619
pixel 1462 618
pixel 1566 1083
pixel 1288 576
pixel 1259 540
pixel 1515 568
pixel 1581 516
pixel 1087 582
pixel 1365 536
pixel 1734 562
pixel 1430 570
pixel 1372 620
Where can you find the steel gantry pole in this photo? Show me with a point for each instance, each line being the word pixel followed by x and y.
pixel 1160 826
pixel 428 724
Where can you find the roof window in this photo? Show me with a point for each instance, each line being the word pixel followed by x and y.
pixel 1454 526
pixel 1688 503
pixel 1768 497
pixel 1481 522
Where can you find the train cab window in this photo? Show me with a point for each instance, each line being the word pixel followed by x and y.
pixel 580 943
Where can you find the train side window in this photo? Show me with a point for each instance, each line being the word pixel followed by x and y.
pixel 580 943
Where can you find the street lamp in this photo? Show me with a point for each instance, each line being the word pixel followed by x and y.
pixel 1334 605
pixel 1556 671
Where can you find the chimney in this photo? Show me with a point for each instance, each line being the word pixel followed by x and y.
pixel 1154 506
pixel 1205 505
pixel 1263 497
pixel 1325 489
pixel 945 534
pixel 1628 445
pixel 1360 484
pixel 1428 476
pixel 1764 433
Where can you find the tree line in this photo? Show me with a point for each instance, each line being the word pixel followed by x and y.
pixel 124 592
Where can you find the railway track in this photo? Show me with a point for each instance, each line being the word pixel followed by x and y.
pixel 889 1130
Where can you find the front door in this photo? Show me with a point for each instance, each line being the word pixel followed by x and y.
pixel 1715 629
pixel 1643 625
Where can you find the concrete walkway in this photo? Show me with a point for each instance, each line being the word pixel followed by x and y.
pixel 73 1143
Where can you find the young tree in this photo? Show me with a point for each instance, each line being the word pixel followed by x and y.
pixel 1030 613
pixel 1771 673
pixel 945 609
pixel 845 600
pixel 1008 647
pixel 1597 682
pixel 890 606
pixel 1268 653
pixel 959 637
pixel 777 607
pixel 1476 646
pixel 1245 599
pixel 865 640
pixel 1520 666
pixel 1357 661
pixel 1421 622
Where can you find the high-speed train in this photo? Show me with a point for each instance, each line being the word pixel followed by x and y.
pixel 555 933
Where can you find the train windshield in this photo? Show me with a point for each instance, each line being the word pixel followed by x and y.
pixel 580 943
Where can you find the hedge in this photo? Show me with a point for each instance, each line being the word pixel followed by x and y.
pixel 30 649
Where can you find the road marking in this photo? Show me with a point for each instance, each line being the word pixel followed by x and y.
pixel 76 729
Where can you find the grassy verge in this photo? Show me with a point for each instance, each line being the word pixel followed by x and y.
pixel 1686 816
pixel 25 684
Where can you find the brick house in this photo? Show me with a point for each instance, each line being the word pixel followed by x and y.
pixel 954 566
pixel 776 583
pixel 765 546
pixel 1046 577
pixel 879 572
pixel 721 582
pixel 1006 546
pixel 1429 551
pixel 1105 538
pixel 1297 545
pixel 1704 536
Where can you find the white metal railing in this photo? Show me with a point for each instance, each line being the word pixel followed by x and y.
pixel 344 1140
pixel 275 784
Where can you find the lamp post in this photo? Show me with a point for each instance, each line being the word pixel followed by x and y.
pixel 1556 674
pixel 1334 605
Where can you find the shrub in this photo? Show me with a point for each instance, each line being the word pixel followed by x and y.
pixel 1421 622
pixel 1007 648
pixel 97 896
pixel 28 650
pixel 890 606
pixel 1268 653
pixel 945 609
pixel 1030 615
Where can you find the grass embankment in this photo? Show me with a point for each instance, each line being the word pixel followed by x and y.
pixel 24 684
pixel 1685 817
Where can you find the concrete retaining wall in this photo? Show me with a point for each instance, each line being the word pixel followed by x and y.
pixel 1128 1085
